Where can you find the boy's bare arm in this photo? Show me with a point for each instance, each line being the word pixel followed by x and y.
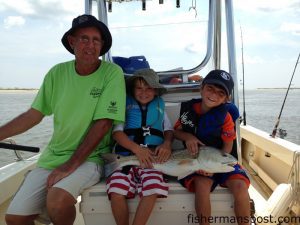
pixel 122 139
pixel 168 136
pixel 227 146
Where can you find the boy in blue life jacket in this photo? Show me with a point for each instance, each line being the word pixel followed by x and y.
pixel 206 121
pixel 148 134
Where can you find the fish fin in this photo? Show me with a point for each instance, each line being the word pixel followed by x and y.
pixel 185 175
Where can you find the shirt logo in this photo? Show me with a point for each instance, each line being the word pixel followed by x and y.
pixel 96 92
pixel 112 108
pixel 184 120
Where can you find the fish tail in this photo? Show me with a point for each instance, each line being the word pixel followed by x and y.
pixel 110 157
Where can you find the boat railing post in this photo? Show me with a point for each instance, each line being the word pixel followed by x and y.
pixel 232 64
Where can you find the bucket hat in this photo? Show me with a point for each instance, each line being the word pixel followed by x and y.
pixel 150 76
pixel 88 21
pixel 221 78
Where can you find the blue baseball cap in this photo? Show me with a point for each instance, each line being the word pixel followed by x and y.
pixel 220 78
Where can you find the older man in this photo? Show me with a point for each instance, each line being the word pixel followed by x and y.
pixel 86 96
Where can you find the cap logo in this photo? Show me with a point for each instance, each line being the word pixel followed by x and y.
pixel 225 76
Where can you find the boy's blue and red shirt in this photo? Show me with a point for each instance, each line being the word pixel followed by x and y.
pixel 212 128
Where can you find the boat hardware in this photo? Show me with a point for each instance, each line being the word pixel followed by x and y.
pixel 194 7
pixel 294 180
pixel 17 153
pixel 287 91
pixel 144 5
pixel 282 133
pixel 13 146
pixel 244 103
pixel 109 6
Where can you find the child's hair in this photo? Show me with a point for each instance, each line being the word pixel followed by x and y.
pixel 149 77
pixel 131 85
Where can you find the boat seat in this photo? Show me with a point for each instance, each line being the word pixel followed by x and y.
pixel 177 208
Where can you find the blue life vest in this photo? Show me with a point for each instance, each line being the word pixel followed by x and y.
pixel 143 126
pixel 207 127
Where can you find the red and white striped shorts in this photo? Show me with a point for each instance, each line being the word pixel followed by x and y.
pixel 143 181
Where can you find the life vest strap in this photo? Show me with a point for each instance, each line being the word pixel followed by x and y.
pixel 125 152
pixel 145 131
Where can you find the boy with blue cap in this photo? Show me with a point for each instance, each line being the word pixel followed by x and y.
pixel 206 121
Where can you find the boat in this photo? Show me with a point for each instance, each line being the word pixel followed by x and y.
pixel 272 163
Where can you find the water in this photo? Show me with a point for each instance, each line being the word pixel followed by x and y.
pixel 11 105
pixel 262 110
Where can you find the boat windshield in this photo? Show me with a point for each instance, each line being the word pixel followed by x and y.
pixel 166 36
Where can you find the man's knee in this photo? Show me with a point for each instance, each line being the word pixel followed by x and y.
pixel 59 199
pixel 16 219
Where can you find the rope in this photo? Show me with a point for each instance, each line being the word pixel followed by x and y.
pixel 294 180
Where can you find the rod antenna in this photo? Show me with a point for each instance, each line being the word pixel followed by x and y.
pixel 244 103
pixel 287 91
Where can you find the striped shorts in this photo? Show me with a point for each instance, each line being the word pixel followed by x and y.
pixel 131 180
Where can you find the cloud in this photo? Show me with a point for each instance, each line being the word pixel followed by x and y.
pixel 12 21
pixel 42 9
pixel 293 28
pixel 267 6
pixel 23 7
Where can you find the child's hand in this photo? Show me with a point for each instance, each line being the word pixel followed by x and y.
pixel 204 173
pixel 192 144
pixel 145 157
pixel 163 152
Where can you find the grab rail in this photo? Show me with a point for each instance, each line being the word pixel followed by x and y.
pixel 11 144
pixel 17 153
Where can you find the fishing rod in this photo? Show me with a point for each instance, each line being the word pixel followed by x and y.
pixel 244 103
pixel 19 147
pixel 287 91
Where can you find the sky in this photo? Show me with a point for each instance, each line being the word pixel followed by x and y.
pixel 31 31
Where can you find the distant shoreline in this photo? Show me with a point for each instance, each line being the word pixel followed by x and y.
pixel 282 88
pixel 18 90
pixel 27 90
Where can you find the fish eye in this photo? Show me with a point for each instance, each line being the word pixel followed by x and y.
pixel 118 157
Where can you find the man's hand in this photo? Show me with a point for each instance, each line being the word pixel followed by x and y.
pixel 58 174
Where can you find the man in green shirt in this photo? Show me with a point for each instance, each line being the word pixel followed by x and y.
pixel 86 97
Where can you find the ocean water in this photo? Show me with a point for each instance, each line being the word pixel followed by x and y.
pixel 262 110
